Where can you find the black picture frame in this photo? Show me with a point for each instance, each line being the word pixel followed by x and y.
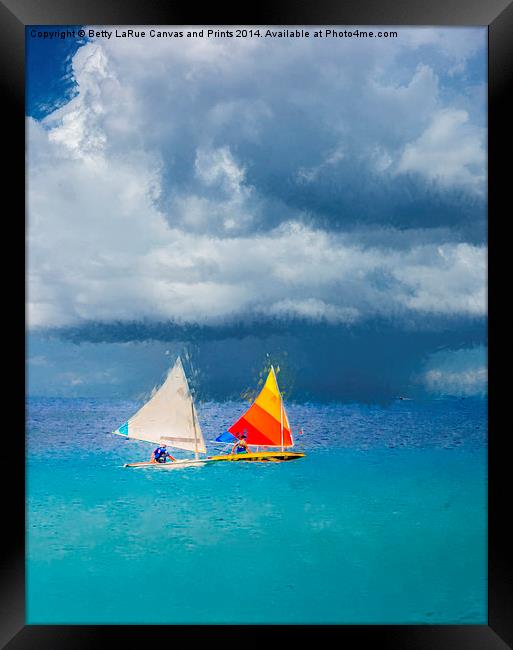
pixel 498 16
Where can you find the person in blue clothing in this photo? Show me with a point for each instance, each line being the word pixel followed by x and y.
pixel 241 446
pixel 161 454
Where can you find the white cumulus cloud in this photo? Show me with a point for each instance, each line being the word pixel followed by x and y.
pixel 143 203
pixel 457 372
pixel 465 382
pixel 450 151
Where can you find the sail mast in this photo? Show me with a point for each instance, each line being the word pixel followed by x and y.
pixel 281 409
pixel 196 456
pixel 195 433
pixel 281 425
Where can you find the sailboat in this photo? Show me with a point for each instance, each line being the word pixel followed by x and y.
pixel 266 425
pixel 169 417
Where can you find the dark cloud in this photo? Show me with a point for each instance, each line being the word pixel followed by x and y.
pixel 370 362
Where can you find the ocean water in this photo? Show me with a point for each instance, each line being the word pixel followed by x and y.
pixel 383 521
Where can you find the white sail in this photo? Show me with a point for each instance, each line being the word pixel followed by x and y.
pixel 169 416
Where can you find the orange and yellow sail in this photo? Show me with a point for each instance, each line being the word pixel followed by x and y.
pixel 266 422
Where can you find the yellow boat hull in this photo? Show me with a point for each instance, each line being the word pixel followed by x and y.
pixel 260 457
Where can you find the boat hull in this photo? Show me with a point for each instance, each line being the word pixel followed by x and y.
pixel 260 457
pixel 174 465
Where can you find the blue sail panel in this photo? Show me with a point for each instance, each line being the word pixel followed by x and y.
pixel 123 429
pixel 226 436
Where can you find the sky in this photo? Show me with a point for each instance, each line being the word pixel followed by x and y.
pixel 319 203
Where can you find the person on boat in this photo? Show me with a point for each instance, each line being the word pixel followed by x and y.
pixel 161 454
pixel 241 446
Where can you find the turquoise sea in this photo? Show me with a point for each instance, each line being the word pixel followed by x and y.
pixel 384 520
